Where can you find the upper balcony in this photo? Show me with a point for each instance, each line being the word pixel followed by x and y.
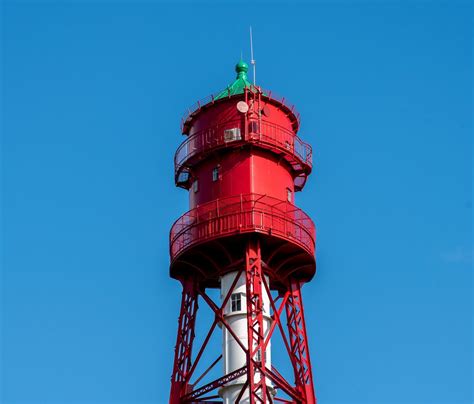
pixel 210 100
pixel 236 133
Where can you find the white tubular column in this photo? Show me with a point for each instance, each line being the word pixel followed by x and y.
pixel 235 313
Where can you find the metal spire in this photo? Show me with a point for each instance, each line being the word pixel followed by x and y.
pixel 252 60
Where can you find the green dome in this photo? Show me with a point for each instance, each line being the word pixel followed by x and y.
pixel 241 67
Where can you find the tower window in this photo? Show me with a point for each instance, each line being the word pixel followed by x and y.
pixel 195 185
pixel 289 195
pixel 258 355
pixel 235 302
pixel 215 173
pixel 231 135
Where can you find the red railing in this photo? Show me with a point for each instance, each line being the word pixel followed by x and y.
pixel 284 139
pixel 266 94
pixel 204 140
pixel 264 133
pixel 241 214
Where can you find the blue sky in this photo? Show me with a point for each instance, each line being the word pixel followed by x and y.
pixel 92 96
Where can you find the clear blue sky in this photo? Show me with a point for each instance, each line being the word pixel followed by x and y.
pixel 92 98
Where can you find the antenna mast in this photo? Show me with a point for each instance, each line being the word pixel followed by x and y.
pixel 252 60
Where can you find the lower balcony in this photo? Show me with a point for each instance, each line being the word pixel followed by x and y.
pixel 249 213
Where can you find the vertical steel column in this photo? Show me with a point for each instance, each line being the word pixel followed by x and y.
pixel 184 340
pixel 256 334
pixel 299 343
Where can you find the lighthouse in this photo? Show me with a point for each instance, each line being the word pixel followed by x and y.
pixel 241 163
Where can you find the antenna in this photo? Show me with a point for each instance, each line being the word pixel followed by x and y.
pixel 252 60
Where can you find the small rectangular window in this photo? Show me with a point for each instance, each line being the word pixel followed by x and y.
pixel 231 135
pixel 289 195
pixel 235 302
pixel 258 355
pixel 215 173
pixel 195 185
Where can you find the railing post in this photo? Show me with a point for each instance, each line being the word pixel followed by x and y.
pixel 259 98
pixel 241 214
pixel 218 217
pixel 271 221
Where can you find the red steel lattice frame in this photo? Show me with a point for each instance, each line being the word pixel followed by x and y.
pixel 185 338
pixel 255 328
pixel 299 342
pixel 290 301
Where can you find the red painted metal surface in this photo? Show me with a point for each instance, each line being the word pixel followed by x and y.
pixel 243 219
pixel 256 371
pixel 248 213
pixel 265 126
pixel 237 176
pixel 269 136
pixel 185 338
pixel 186 390
pixel 299 342
pixel 271 99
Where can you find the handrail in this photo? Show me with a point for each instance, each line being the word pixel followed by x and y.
pixel 271 95
pixel 242 213
pixel 262 132
pixel 203 140
pixel 275 134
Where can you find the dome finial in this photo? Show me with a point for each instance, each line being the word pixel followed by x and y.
pixel 241 68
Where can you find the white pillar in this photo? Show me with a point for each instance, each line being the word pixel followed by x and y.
pixel 233 356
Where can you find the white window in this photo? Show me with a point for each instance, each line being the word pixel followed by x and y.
pixel 215 173
pixel 195 185
pixel 235 302
pixel 289 195
pixel 231 135
pixel 258 355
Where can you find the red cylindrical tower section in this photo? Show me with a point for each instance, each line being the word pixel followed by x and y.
pixel 228 122
pixel 277 165
pixel 243 171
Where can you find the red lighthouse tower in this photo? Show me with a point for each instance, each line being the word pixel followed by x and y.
pixel 241 163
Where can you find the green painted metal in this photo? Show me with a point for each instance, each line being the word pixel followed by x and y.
pixel 240 83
